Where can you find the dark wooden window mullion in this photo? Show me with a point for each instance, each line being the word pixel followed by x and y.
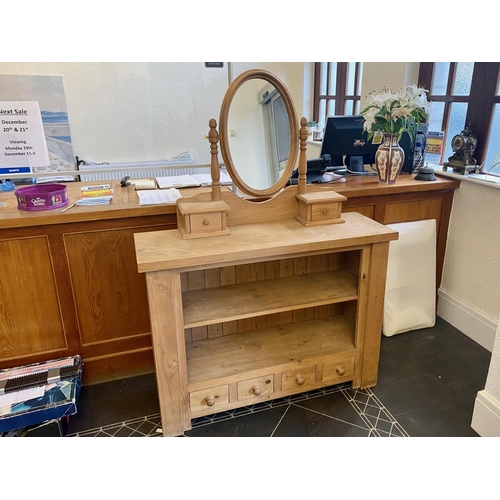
pixel 482 99
pixel 341 88
pixel 425 74
pixel 357 75
pixel 317 87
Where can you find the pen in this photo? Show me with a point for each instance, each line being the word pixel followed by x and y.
pixel 67 208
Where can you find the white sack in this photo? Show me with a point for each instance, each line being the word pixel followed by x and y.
pixel 410 296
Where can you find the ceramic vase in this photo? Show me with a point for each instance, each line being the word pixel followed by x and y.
pixel 389 159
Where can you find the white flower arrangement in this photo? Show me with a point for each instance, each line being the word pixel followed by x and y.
pixel 393 113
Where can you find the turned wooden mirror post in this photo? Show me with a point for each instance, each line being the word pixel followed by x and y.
pixel 302 157
pixel 206 218
pixel 213 138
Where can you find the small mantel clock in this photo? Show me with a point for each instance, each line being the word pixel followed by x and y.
pixel 462 161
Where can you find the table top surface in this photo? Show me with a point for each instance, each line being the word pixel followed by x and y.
pixel 160 250
pixel 125 202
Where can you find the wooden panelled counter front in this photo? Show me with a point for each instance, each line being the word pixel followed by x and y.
pixel 69 282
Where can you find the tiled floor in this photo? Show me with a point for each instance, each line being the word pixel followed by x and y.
pixel 428 381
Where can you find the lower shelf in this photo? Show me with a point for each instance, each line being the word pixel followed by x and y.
pixel 229 358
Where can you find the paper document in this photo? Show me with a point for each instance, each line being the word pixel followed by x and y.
pixel 206 179
pixel 57 178
pixel 177 181
pixel 193 180
pixel 156 197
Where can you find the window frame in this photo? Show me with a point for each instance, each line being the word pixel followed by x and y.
pixel 340 96
pixel 481 100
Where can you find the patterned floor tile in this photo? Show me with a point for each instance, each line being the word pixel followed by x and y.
pixel 377 420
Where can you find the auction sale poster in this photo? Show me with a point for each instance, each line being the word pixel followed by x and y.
pixel 22 138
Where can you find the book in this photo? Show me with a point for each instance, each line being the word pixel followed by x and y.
pixel 95 195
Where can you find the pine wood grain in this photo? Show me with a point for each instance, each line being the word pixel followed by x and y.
pixel 282 348
pixel 267 297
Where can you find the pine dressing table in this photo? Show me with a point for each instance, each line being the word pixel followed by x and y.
pixel 265 296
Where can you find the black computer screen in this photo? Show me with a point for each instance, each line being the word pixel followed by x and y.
pixel 345 139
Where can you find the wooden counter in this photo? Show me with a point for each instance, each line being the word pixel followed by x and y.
pixel 69 282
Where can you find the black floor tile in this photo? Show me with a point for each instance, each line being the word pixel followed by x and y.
pixel 301 422
pixel 429 379
pixel 259 424
pixel 446 419
pixel 116 401
pixel 334 405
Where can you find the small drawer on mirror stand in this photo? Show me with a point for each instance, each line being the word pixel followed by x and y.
pixel 201 219
pixel 319 208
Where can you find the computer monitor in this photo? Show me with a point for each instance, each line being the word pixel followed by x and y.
pixel 347 143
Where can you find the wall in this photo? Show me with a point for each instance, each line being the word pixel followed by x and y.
pixel 470 288
pixel 136 111
pixel 486 415
pixel 127 111
pixel 393 76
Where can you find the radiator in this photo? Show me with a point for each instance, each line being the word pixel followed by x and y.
pixel 138 170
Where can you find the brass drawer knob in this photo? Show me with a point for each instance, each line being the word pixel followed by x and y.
pixel 210 400
pixel 300 380
pixel 206 222
pixel 257 390
pixel 340 370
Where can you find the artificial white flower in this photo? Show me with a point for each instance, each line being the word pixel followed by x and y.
pixel 392 112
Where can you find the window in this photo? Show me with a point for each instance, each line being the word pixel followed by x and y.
pixel 465 94
pixel 337 89
pixel 277 131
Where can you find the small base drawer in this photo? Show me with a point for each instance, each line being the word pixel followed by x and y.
pixel 339 371
pixel 209 398
pixel 299 379
pixel 255 387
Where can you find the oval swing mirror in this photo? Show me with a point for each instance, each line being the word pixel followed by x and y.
pixel 258 133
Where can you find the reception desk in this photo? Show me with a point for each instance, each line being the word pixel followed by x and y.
pixel 69 282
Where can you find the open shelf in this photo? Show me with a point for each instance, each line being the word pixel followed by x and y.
pixel 272 348
pixel 258 298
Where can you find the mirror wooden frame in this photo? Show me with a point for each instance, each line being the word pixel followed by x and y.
pixel 224 138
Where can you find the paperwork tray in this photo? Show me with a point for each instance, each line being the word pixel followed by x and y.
pixel 40 392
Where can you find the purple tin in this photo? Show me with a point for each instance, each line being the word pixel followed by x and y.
pixel 42 197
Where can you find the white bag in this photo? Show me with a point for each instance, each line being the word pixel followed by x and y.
pixel 410 294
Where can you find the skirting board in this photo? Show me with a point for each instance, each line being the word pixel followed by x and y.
pixel 471 322
pixel 486 416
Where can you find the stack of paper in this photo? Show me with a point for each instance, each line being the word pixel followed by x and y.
pixel 177 181
pixel 206 179
pixel 157 197
pixel 95 195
